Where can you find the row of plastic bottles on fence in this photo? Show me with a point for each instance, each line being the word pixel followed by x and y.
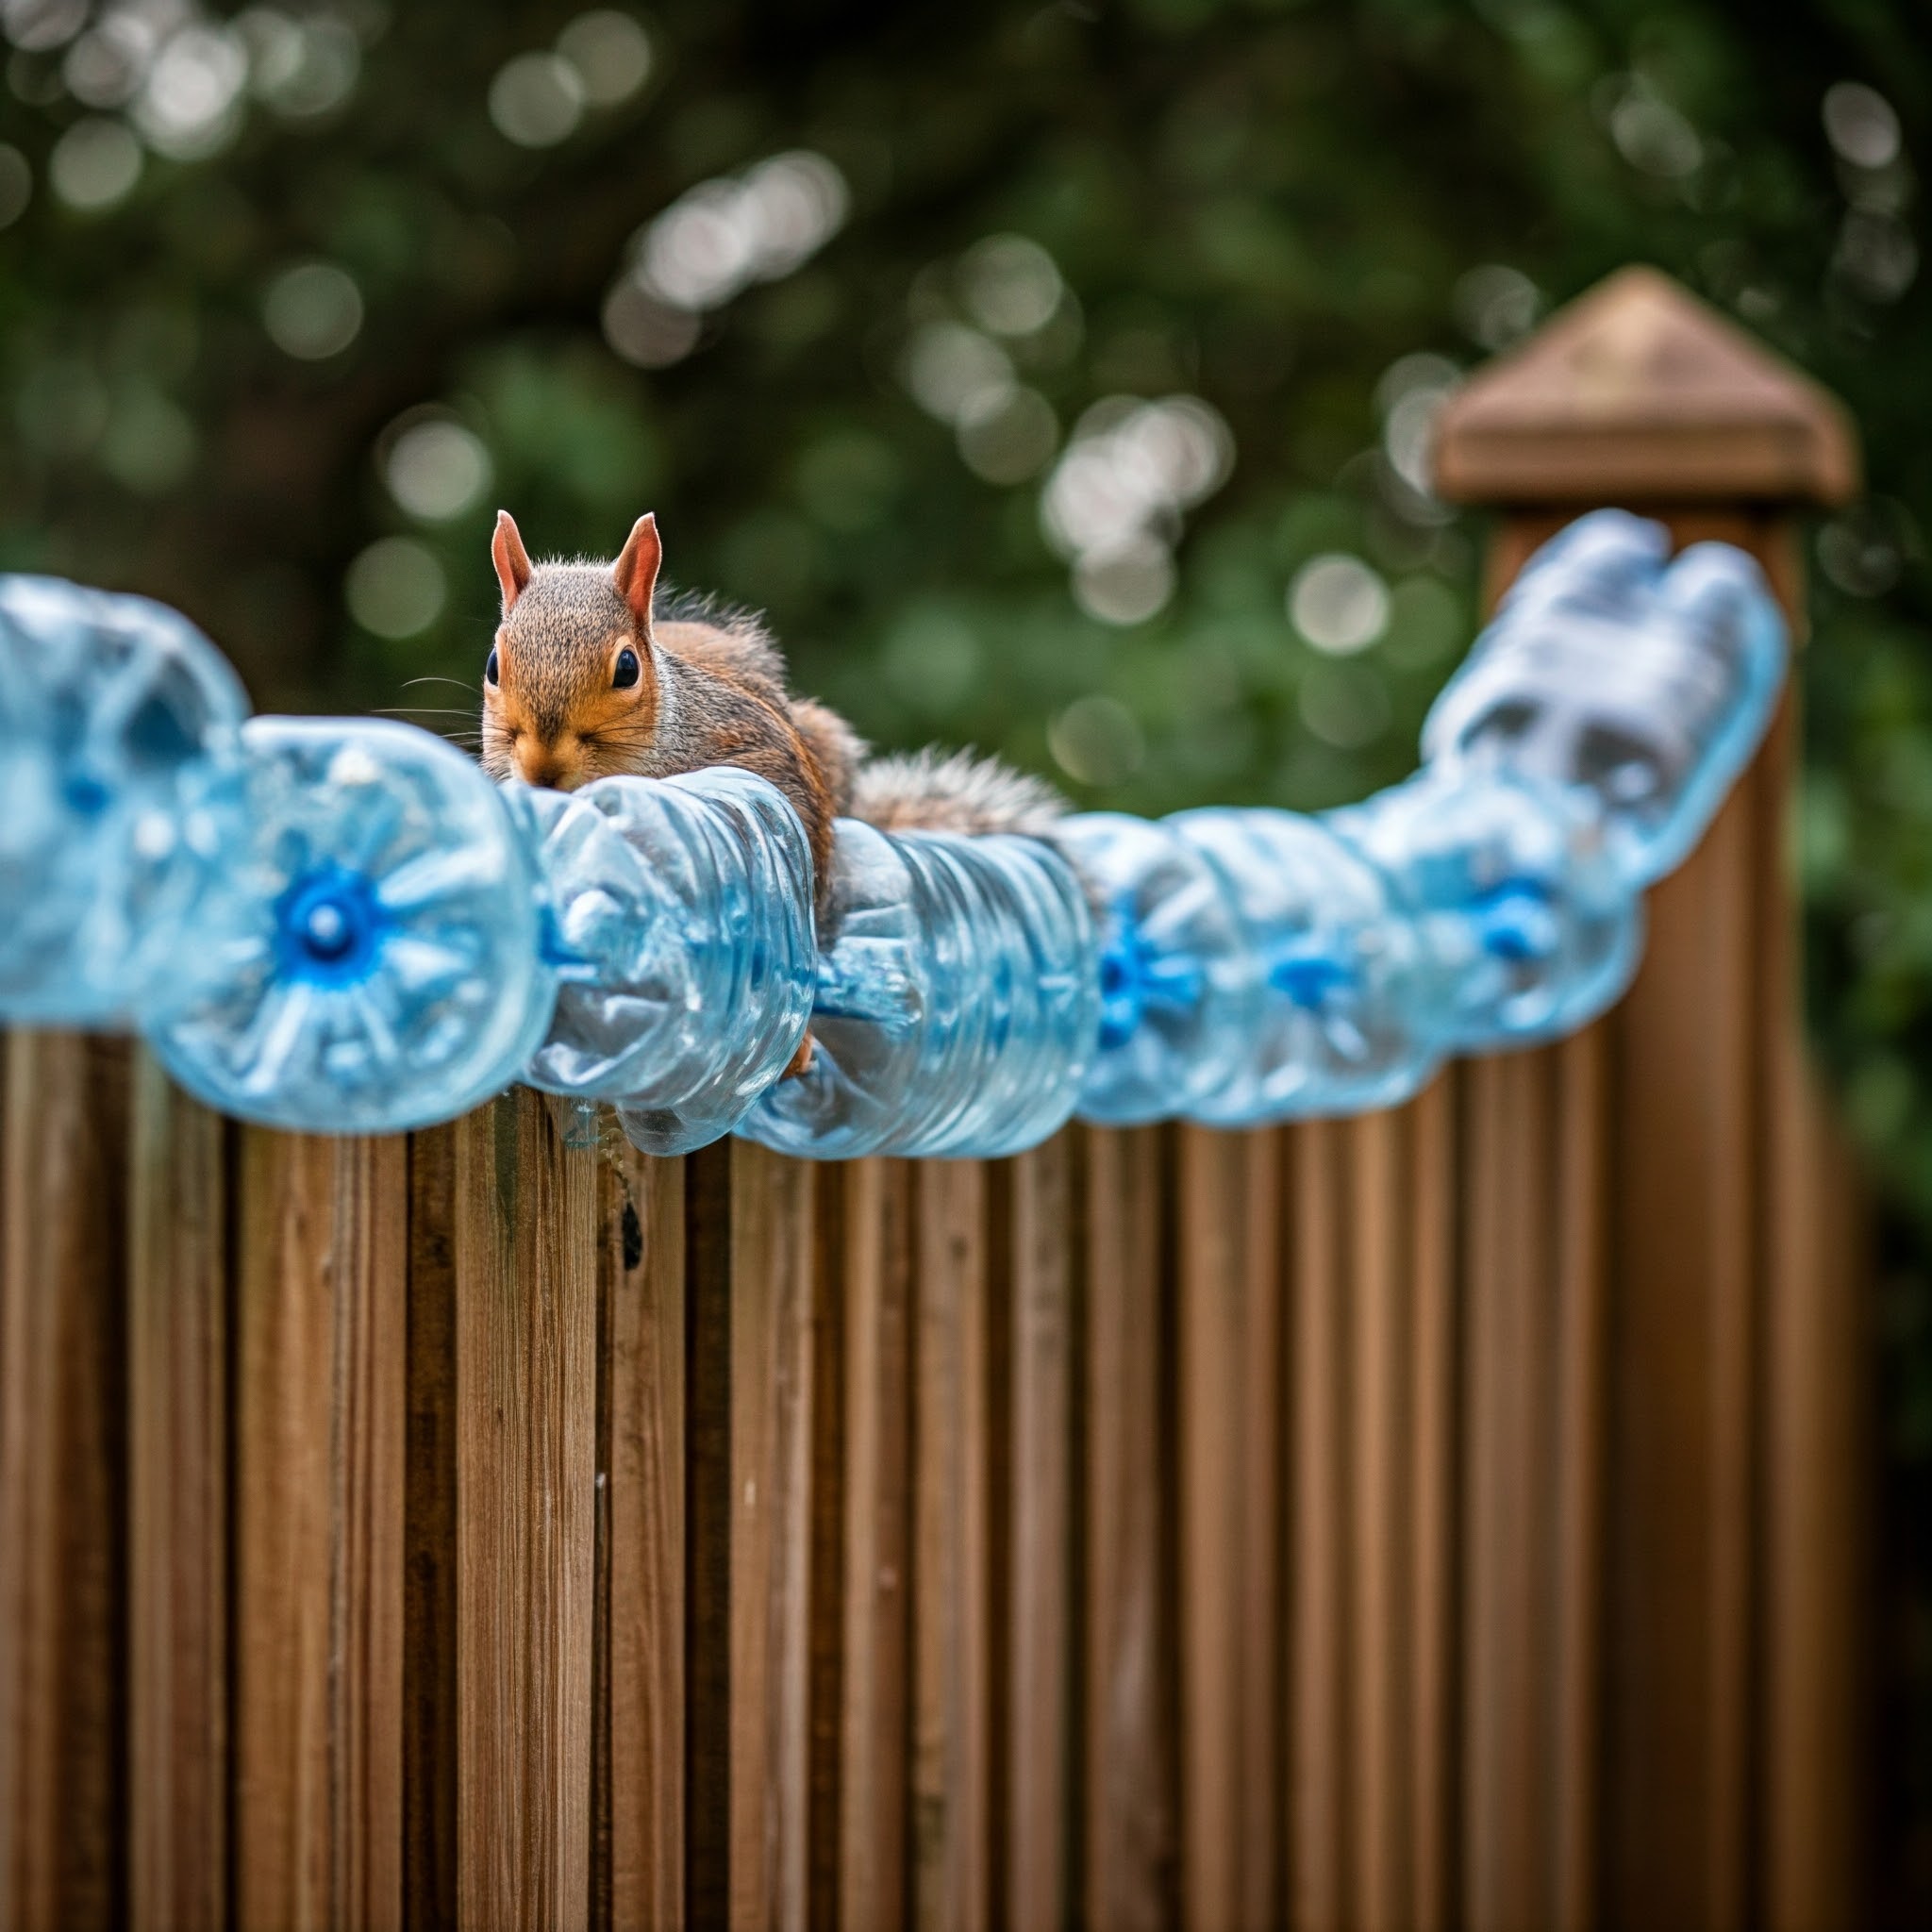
pixel 344 926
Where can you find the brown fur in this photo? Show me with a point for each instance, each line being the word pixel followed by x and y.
pixel 711 690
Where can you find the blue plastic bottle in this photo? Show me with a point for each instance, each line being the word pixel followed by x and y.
pixel 377 960
pixel 1180 986
pixel 957 1004
pixel 1343 971
pixel 1530 928
pixel 120 785
pixel 1646 684
pixel 680 923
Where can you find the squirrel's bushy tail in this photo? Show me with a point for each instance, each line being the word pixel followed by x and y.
pixel 836 746
pixel 956 791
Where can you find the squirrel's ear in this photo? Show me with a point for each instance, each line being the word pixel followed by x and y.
pixel 511 560
pixel 635 573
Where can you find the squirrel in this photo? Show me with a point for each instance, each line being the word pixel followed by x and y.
pixel 593 674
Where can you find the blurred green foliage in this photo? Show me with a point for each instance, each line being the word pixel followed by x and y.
pixel 338 224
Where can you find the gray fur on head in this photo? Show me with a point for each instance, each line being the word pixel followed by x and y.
pixel 955 792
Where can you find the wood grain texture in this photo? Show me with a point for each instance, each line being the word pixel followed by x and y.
pixel 1041 1640
pixel 1581 1389
pixel 431 1720
pixel 1129 1851
pixel 875 1628
pixel 647 1529
pixel 1687 1300
pixel 772 1258
pixel 1507 1505
pixel 63 1200
pixel 1436 1536
pixel 1230 1448
pixel 320 1434
pixel 952 1752
pixel 1319 1773
pixel 177 1512
pixel 1381 1882
pixel 527 1236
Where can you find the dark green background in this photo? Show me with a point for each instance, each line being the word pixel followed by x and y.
pixel 1259 203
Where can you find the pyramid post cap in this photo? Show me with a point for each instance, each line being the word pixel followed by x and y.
pixel 1638 392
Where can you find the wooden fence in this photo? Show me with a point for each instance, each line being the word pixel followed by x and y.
pixel 1443 1518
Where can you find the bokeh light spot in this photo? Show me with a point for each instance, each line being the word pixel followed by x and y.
pixel 395 588
pixel 537 100
pixel 611 52
pixel 1097 740
pixel 314 311
pixel 435 469
pixel 95 164
pixel 1339 604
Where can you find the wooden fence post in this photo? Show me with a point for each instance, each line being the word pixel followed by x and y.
pixel 1660 1342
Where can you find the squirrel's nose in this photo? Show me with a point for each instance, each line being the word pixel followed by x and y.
pixel 541 761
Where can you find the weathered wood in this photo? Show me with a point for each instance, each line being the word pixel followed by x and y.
pixel 1041 1640
pixel 772 1258
pixel 1381 1882
pixel 1129 1837
pixel 179 1401
pixel 952 1749
pixel 873 1810
pixel 63 1198
pixel 644 1482
pixel 1319 1622
pixel 319 1497
pixel 1231 1446
pixel 431 1692
pixel 1435 1531
pixel 1508 1503
pixel 528 1234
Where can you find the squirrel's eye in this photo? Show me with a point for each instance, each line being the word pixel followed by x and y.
pixel 490 667
pixel 626 673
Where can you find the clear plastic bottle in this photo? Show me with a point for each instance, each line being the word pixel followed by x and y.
pixel 377 960
pixel 679 922
pixel 1180 986
pixel 1648 684
pixel 1343 971
pixel 119 790
pixel 1529 926
pixel 957 1004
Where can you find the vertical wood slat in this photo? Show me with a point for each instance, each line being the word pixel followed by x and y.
pixel 1040 1641
pixel 873 1812
pixel 1130 1830
pixel 1435 1528
pixel 62 1235
pixel 318 1501
pixel 431 1692
pixel 1230 1446
pixel 646 1529
pixel 1380 1244
pixel 1319 1621
pixel 527 1235
pixel 770 1437
pixel 1506 1609
pixel 952 1756
pixel 177 1550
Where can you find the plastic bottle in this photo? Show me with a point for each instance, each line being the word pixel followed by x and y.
pixel 679 922
pixel 1529 925
pixel 957 1004
pixel 1343 972
pixel 1648 685
pixel 377 963
pixel 1180 987
pixel 120 786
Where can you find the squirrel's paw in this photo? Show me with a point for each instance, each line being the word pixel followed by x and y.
pixel 800 1062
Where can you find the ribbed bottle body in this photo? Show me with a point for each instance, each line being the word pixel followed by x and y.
pixel 678 919
pixel 121 795
pixel 956 1006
